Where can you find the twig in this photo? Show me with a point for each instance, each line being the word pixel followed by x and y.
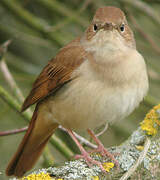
pixel 105 129
pixel 9 79
pixel 138 162
pixel 146 36
pixel 13 103
pixel 14 131
pixel 80 138
pixel 144 7
pixel 3 48
pixel 7 75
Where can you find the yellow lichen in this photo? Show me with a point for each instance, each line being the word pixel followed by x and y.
pixel 40 176
pixel 95 178
pixel 151 122
pixel 140 148
pixel 108 166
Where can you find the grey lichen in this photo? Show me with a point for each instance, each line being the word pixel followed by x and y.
pixel 127 159
pixel 137 137
pixel 128 152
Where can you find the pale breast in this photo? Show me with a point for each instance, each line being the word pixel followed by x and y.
pixel 88 102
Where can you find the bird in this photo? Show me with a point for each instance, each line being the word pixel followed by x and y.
pixel 97 78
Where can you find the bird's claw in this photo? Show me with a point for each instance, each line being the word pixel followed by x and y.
pixel 90 161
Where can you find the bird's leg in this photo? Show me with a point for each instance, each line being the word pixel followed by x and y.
pixel 84 154
pixel 101 148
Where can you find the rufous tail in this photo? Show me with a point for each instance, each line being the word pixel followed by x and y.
pixel 32 145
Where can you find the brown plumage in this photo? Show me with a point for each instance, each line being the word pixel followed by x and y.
pixel 97 78
pixel 30 148
pixel 56 73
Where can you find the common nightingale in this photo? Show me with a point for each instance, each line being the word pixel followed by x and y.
pixel 97 78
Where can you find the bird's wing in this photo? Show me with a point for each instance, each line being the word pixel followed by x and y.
pixel 56 73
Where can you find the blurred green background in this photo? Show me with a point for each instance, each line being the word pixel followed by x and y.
pixel 38 28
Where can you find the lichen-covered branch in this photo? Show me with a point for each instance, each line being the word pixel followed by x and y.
pixel 138 158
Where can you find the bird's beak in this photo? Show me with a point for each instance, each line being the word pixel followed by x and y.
pixel 108 26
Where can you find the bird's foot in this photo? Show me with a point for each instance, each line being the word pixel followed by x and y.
pixel 101 149
pixel 90 161
pixel 104 152
pixel 84 154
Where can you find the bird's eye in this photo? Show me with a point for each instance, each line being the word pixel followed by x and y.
pixel 122 28
pixel 95 27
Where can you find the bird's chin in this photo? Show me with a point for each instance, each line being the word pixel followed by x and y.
pixel 107 38
pixel 106 44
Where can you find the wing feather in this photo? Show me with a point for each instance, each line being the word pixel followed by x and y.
pixel 56 73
